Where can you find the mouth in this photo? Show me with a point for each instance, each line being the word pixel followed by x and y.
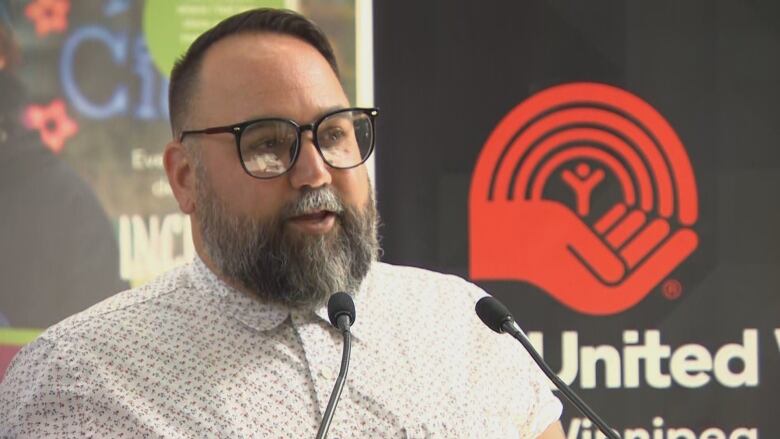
pixel 319 221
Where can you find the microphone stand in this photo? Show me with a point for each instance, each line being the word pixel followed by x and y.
pixel 343 323
pixel 511 327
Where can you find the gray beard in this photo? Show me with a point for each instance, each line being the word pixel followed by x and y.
pixel 292 269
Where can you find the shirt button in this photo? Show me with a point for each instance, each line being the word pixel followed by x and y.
pixel 327 374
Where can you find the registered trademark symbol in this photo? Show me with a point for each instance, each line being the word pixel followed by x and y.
pixel 672 289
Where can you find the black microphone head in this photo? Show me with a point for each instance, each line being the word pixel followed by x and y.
pixel 341 304
pixel 492 313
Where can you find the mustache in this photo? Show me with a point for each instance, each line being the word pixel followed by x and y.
pixel 314 200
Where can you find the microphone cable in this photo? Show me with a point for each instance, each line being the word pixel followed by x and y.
pixel 341 313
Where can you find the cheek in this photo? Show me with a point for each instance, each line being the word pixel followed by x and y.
pixel 261 199
pixel 353 186
pixel 223 171
pixel 249 197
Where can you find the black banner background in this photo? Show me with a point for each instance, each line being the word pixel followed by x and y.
pixel 448 71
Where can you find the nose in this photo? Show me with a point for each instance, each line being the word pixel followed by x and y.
pixel 309 168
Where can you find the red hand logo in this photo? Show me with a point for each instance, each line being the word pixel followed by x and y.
pixel 600 268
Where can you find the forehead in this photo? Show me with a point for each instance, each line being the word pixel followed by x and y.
pixel 264 74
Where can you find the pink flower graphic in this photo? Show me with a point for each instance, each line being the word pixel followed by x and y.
pixel 48 15
pixel 53 123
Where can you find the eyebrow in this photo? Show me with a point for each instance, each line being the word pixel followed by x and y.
pixel 319 115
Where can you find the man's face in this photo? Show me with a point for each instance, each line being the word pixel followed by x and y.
pixel 306 233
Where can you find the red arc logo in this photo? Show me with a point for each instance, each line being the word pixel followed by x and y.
pixel 580 133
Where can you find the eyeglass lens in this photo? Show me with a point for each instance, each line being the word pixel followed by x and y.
pixel 345 139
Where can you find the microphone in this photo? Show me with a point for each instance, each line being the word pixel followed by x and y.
pixel 498 318
pixel 341 313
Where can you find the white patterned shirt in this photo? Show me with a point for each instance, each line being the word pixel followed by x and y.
pixel 189 356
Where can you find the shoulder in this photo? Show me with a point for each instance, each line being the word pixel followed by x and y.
pixel 418 291
pixel 432 281
pixel 80 357
pixel 126 306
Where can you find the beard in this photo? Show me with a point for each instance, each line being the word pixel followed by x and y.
pixel 294 269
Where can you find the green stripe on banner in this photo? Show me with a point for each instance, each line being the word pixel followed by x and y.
pixel 18 336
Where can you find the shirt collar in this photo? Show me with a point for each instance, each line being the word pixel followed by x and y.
pixel 265 316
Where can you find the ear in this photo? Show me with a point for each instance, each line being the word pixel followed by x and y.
pixel 181 175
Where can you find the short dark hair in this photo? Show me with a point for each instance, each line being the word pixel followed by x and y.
pixel 281 21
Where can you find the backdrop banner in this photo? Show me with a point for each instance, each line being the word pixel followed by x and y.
pixel 610 171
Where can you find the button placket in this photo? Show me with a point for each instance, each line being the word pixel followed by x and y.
pixel 321 356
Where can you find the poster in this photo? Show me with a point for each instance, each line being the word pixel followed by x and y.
pixel 87 208
pixel 608 170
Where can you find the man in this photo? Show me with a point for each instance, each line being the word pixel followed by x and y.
pixel 267 159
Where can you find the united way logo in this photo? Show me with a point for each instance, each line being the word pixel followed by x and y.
pixel 585 191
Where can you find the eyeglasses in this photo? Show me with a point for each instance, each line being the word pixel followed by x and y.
pixel 269 147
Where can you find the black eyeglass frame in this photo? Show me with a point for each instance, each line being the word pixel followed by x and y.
pixel 238 130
